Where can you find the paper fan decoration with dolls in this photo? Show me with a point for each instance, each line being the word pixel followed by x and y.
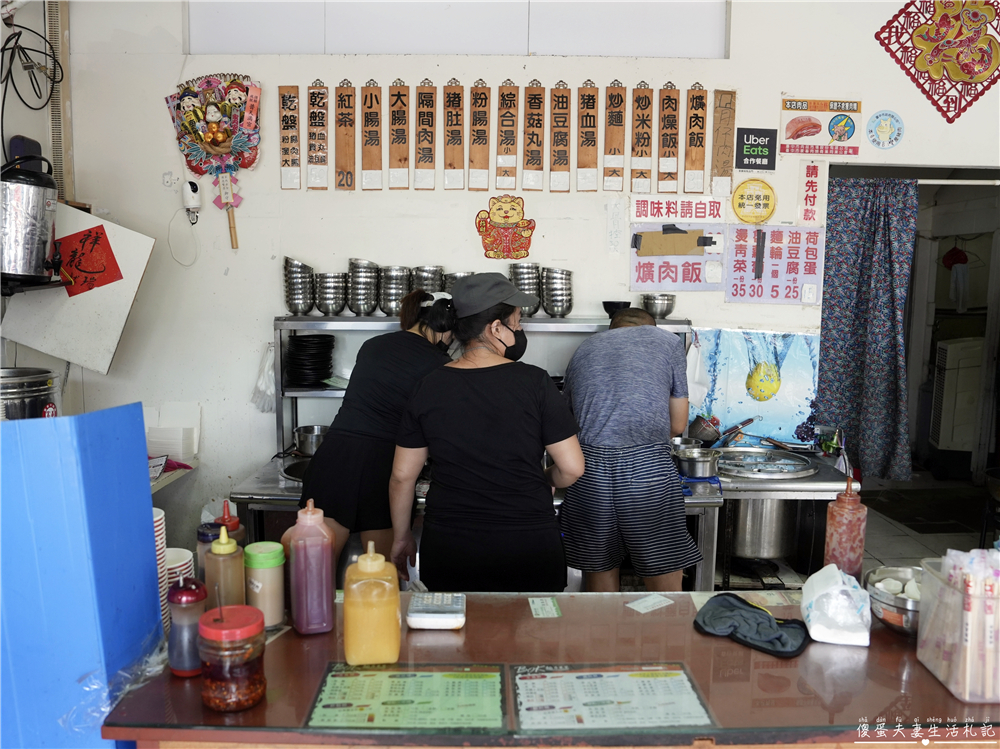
pixel 215 117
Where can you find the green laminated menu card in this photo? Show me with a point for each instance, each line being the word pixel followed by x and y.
pixel 410 698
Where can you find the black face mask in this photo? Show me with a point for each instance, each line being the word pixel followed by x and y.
pixel 516 350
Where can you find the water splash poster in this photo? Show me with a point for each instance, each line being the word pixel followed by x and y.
pixel 736 375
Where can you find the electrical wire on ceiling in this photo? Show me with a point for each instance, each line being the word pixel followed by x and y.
pixel 47 65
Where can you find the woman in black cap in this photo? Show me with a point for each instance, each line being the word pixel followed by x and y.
pixel 348 478
pixel 485 421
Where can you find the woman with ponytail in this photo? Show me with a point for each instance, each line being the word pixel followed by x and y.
pixel 348 478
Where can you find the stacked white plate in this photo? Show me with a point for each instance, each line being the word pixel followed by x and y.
pixel 160 535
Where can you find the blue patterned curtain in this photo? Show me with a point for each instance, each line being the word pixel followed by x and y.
pixel 871 225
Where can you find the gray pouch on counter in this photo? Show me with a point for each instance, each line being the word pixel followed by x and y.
pixel 728 615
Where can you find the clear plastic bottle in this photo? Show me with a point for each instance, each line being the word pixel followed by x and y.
pixel 236 530
pixel 846 520
pixel 207 533
pixel 309 556
pixel 372 620
pixel 224 576
pixel 187 603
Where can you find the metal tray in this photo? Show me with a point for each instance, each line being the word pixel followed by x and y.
pixel 763 463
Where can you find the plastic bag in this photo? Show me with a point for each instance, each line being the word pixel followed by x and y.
pixel 835 608
pixel 697 377
pixel 263 391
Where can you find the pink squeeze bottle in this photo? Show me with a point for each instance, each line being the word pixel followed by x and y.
pixel 309 551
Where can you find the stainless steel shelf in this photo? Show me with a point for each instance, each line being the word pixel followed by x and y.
pixel 536 324
pixel 306 393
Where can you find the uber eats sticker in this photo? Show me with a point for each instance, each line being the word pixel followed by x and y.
pixel 755 148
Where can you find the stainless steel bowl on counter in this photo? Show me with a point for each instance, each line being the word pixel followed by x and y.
pixel 898 612
pixel 658 305
pixel 698 463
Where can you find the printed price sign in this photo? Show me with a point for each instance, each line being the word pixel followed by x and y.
pixel 820 126
pixel 791 266
pixel 690 258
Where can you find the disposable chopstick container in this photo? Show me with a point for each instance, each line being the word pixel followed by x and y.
pixel 957 632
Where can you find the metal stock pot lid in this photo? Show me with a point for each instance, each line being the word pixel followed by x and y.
pixel 758 462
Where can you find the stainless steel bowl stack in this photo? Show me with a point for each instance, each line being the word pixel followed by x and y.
pixel 450 278
pixel 331 292
pixel 394 284
pixel 362 286
pixel 299 289
pixel 557 291
pixel 658 305
pixel 526 278
pixel 427 277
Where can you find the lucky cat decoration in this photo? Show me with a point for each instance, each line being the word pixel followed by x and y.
pixel 506 233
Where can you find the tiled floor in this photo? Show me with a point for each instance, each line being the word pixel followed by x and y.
pixel 891 544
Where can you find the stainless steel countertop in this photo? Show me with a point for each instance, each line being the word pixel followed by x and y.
pixel 826 483
pixel 267 485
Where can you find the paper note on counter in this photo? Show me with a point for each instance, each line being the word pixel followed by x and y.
pixel 544 608
pixel 649 603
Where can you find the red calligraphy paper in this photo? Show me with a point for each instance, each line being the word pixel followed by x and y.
pixel 88 260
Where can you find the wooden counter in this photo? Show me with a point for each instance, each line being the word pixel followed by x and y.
pixel 821 697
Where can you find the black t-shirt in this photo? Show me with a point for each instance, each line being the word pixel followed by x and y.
pixel 387 369
pixel 486 430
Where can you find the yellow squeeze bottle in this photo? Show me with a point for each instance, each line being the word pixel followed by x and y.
pixel 372 620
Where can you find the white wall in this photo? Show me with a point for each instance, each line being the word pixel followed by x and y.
pixel 198 333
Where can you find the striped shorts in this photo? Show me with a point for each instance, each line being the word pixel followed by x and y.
pixel 628 499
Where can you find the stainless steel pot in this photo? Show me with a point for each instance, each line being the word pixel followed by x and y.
pixel 698 463
pixel 29 219
pixel 765 528
pixel 27 393
pixel 308 439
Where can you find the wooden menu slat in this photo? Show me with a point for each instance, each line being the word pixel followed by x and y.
pixel 426 136
pixel 399 136
pixel 586 143
pixel 345 127
pixel 723 141
pixel 643 113
pixel 289 140
pixel 534 136
pixel 694 144
pixel 317 151
pixel 371 136
pixel 479 136
pixel 507 96
pixel 454 136
pixel 614 137
pixel 559 133
pixel 669 115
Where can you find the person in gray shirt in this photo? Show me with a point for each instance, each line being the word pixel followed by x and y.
pixel 628 390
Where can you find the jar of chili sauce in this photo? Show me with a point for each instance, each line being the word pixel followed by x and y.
pixel 231 646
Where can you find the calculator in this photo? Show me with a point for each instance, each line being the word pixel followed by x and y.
pixel 436 611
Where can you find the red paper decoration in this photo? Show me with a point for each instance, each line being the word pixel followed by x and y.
pixel 948 48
